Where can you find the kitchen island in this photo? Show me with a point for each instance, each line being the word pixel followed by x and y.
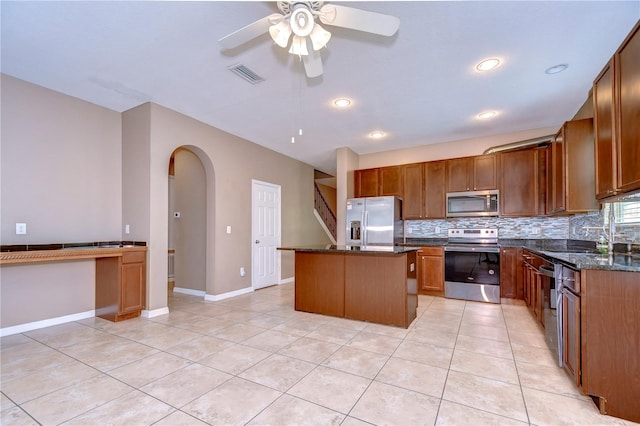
pixel 367 283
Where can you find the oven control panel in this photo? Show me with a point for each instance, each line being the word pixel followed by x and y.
pixel 479 233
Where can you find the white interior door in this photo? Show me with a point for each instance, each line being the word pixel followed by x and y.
pixel 265 234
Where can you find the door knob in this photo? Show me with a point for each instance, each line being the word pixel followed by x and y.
pixel 257 241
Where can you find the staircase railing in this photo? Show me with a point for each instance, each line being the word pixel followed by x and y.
pixel 325 212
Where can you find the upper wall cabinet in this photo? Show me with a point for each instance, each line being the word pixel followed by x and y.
pixel 571 169
pixel 617 121
pixel 366 183
pixel 435 189
pixel 391 181
pixel 471 173
pixel 413 199
pixel 522 182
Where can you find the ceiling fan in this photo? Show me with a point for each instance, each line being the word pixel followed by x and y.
pixel 299 18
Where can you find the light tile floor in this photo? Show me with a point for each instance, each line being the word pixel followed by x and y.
pixel 254 360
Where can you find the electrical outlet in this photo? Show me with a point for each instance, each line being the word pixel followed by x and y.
pixel 21 228
pixel 242 271
pixel 535 230
pixel 437 229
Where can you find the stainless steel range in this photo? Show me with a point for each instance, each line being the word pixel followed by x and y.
pixel 472 265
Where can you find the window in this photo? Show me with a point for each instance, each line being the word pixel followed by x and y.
pixel 625 212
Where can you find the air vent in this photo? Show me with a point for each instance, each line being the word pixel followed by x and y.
pixel 246 73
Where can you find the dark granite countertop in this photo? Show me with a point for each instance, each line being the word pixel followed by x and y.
pixel 587 260
pixel 329 248
pixel 424 242
pixel 62 246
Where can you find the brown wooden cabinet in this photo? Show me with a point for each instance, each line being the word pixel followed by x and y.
pixel 610 342
pixel 391 181
pixel 366 183
pixel 431 271
pixel 472 173
pixel 511 286
pixel 413 204
pixel 319 283
pixel 616 102
pixel 121 285
pixel 435 190
pixel 522 182
pixel 572 165
pixel 532 284
pixel 571 335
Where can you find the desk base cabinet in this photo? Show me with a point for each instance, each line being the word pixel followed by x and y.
pixel 121 286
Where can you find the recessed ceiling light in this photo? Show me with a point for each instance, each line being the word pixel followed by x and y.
pixel 486 115
pixel 556 69
pixel 342 102
pixel 376 135
pixel 488 64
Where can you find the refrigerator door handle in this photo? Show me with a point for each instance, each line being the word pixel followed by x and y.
pixel 365 222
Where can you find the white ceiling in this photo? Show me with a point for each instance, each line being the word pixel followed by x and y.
pixel 419 86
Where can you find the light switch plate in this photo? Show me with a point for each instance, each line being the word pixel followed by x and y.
pixel 228 229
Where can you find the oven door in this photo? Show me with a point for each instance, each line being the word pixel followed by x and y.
pixel 472 273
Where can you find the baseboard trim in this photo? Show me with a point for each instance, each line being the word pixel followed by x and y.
pixel 189 291
pixel 286 280
pixel 155 313
pixel 216 297
pixel 22 328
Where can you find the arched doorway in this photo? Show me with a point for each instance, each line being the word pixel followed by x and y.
pixel 188 182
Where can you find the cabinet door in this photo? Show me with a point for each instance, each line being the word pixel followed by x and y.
pixel 571 334
pixel 366 183
pixel 431 270
pixel 132 292
pixel 511 273
pixel 484 172
pixel 458 172
pixel 413 198
pixel 628 141
pixel 558 173
pixel 579 165
pixel 603 123
pixel 391 181
pixel 435 190
pixel 519 180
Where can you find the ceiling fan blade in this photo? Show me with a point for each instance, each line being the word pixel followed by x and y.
pixel 358 19
pixel 312 64
pixel 249 32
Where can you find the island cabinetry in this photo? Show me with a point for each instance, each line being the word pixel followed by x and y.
pixel 472 173
pixel 435 190
pixel 413 205
pixel 431 271
pixel 572 169
pixel 372 292
pixel 319 283
pixel 522 185
pixel 610 320
pixel 511 286
pixel 121 285
pixel 616 101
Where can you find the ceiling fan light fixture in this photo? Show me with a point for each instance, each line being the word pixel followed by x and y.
pixel 280 33
pixel 376 134
pixel 301 20
pixel 299 46
pixel 319 37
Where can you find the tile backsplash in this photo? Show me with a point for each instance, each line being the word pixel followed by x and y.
pixel 586 227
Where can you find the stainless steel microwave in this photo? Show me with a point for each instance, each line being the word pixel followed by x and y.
pixel 473 203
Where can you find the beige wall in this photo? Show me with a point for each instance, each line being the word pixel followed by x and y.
pixel 346 162
pixel 74 171
pixel 61 167
pixel 61 175
pixel 441 151
pixel 189 230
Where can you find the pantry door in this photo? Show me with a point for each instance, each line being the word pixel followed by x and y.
pixel 265 234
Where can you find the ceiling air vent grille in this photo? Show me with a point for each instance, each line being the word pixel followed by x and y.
pixel 246 73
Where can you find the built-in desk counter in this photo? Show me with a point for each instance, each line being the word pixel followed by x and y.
pixel 368 283
pixel 120 272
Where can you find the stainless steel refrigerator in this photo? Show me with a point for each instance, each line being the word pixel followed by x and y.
pixel 374 221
